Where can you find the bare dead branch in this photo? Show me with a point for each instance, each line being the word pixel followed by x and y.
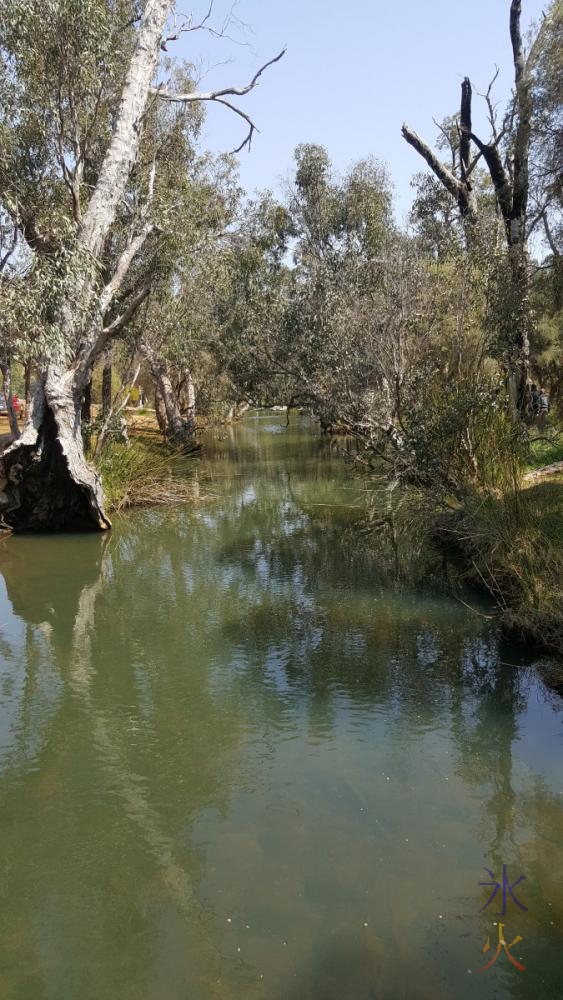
pixel 185 27
pixel 252 127
pixel 203 25
pixel 213 95
pixel 465 128
pixel 491 108
pixel 516 40
pixel 442 173
pixel 218 97
pixel 498 174
pixel 478 156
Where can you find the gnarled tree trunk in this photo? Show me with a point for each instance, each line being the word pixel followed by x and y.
pixel 177 429
pixel 47 483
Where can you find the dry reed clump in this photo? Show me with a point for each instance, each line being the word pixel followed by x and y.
pixel 512 546
pixel 145 473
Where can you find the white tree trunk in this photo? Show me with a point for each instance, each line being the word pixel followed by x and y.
pixel 177 429
pixel 189 393
pixel 47 480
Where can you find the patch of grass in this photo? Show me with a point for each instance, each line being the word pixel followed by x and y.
pixel 513 546
pixel 146 473
pixel 545 450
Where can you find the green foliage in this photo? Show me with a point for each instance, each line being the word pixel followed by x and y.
pixel 296 331
pixel 460 435
pixel 145 473
pixel 547 135
pixel 65 62
pixel 544 450
pixel 513 546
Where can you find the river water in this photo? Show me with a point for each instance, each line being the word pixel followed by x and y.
pixel 244 755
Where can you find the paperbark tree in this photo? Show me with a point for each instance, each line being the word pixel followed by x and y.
pixel 175 428
pixel 509 174
pixel 47 483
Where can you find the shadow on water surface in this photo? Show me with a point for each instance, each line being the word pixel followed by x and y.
pixel 239 758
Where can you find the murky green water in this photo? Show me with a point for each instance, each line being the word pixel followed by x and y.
pixel 239 760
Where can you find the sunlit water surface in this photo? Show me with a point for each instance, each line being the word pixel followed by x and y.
pixel 240 759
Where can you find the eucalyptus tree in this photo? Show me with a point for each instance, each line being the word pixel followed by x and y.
pixel 546 170
pixel 194 202
pixel 176 338
pixel 506 155
pixel 344 232
pixel 79 83
pixel 253 294
pixel 302 318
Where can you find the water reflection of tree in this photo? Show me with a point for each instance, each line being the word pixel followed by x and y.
pixel 105 745
pixel 324 623
pixel 172 645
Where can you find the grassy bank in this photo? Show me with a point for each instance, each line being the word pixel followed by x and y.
pixel 545 451
pixel 513 546
pixel 504 525
pixel 144 473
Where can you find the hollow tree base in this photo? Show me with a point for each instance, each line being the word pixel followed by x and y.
pixel 39 493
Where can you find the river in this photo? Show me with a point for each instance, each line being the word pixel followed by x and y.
pixel 243 755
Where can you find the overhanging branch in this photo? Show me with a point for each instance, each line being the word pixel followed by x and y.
pixel 218 97
pixel 442 173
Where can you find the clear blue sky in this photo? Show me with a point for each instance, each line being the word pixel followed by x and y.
pixel 353 72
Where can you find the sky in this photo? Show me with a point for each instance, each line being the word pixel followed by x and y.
pixel 352 73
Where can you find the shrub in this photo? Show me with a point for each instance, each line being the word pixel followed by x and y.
pixel 145 473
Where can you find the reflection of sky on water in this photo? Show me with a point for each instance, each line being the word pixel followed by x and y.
pixel 235 727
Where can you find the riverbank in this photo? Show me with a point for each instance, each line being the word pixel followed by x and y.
pixel 512 545
pixel 146 472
